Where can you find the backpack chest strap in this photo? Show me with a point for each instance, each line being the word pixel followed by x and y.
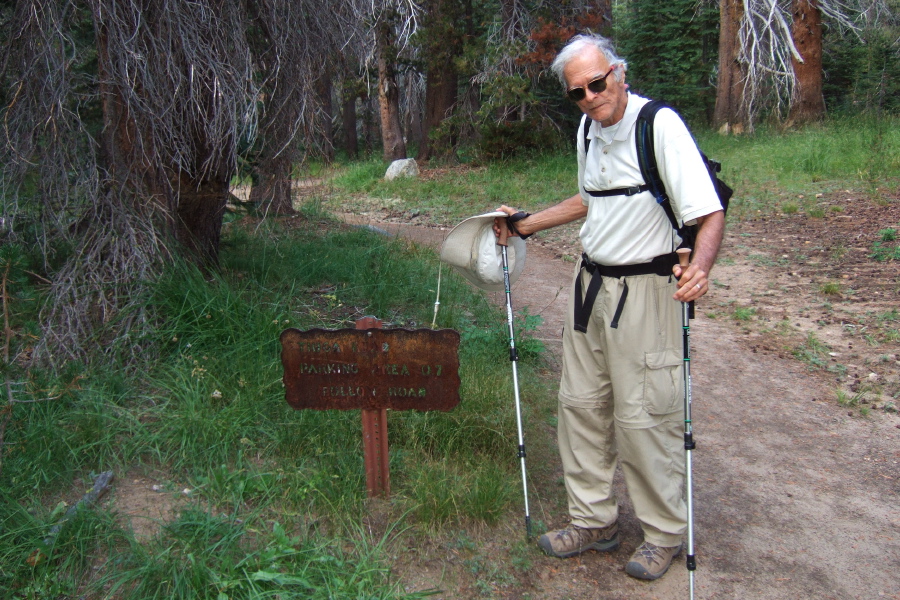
pixel 629 191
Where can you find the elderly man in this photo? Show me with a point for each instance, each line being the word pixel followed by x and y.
pixel 621 391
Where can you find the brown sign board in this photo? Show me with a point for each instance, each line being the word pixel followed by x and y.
pixel 370 369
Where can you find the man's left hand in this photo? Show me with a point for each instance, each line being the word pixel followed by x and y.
pixel 692 283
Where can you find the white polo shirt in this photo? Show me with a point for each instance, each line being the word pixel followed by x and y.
pixel 627 230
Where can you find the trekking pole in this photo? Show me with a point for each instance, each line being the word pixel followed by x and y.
pixel 684 257
pixel 514 357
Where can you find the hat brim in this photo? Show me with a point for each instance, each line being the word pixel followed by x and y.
pixel 471 249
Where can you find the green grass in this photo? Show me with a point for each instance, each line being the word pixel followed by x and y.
pixel 204 555
pixel 769 169
pixel 743 313
pixel 529 183
pixel 813 352
pixel 885 252
pixel 831 288
pixel 839 150
pixel 207 412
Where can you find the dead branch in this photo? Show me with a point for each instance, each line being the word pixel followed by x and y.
pixel 100 487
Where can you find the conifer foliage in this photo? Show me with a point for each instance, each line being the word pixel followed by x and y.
pixel 671 49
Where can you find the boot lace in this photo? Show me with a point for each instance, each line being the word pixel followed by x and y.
pixel 651 553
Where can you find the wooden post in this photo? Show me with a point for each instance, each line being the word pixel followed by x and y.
pixel 375 438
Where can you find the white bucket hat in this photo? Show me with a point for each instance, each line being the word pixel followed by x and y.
pixel 471 248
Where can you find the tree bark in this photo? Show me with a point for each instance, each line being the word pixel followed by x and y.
pixel 808 104
pixel 730 113
pixel 198 216
pixel 325 113
pixel 348 117
pixel 443 46
pixel 394 147
pixel 272 185
pixel 282 103
pixel 127 166
pixel 201 192
pixel 194 205
pixel 440 98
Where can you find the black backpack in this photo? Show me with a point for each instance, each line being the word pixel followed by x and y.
pixel 650 171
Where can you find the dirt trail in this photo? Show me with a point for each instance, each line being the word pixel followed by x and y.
pixel 795 496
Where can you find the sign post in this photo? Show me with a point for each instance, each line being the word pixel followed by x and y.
pixel 371 369
pixel 375 437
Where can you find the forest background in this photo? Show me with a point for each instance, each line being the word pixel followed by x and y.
pixel 125 123
pixel 126 127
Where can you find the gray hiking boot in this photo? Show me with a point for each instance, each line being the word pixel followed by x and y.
pixel 650 561
pixel 564 543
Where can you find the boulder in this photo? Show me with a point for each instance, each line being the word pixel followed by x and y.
pixel 405 167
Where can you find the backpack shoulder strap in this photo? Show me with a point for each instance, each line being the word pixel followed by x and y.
pixel 586 127
pixel 646 153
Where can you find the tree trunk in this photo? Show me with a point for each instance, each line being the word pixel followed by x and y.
pixel 348 117
pixel 127 167
pixel 731 112
pixel 389 94
pixel 443 46
pixel 440 97
pixel 325 113
pixel 370 126
pixel 808 103
pixel 412 119
pixel 510 18
pixel 272 186
pixel 194 207
pixel 201 192
pixel 198 216
pixel 282 102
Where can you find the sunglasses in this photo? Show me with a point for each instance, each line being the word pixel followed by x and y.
pixel 596 86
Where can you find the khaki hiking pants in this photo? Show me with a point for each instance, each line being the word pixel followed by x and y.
pixel 621 396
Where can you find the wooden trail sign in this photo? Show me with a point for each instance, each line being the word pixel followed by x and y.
pixel 348 369
pixel 371 369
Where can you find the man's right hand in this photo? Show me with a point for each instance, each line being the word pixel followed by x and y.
pixel 509 211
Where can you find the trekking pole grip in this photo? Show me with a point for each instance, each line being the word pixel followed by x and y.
pixel 684 258
pixel 504 232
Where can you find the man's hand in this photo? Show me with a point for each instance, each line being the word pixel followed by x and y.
pixel 509 211
pixel 693 281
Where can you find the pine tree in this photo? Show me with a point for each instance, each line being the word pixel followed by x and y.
pixel 670 47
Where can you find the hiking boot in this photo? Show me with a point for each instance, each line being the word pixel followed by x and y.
pixel 564 543
pixel 650 561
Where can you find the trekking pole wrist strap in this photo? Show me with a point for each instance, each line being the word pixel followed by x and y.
pixel 511 220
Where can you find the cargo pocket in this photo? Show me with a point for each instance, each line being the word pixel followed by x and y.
pixel 662 382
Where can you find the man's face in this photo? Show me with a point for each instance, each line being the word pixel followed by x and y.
pixel 608 106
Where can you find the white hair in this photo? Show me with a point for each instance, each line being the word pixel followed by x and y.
pixel 577 45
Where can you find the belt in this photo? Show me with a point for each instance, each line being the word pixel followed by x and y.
pixel 661 265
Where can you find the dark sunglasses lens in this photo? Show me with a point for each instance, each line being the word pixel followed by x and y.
pixel 597 85
pixel 576 94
